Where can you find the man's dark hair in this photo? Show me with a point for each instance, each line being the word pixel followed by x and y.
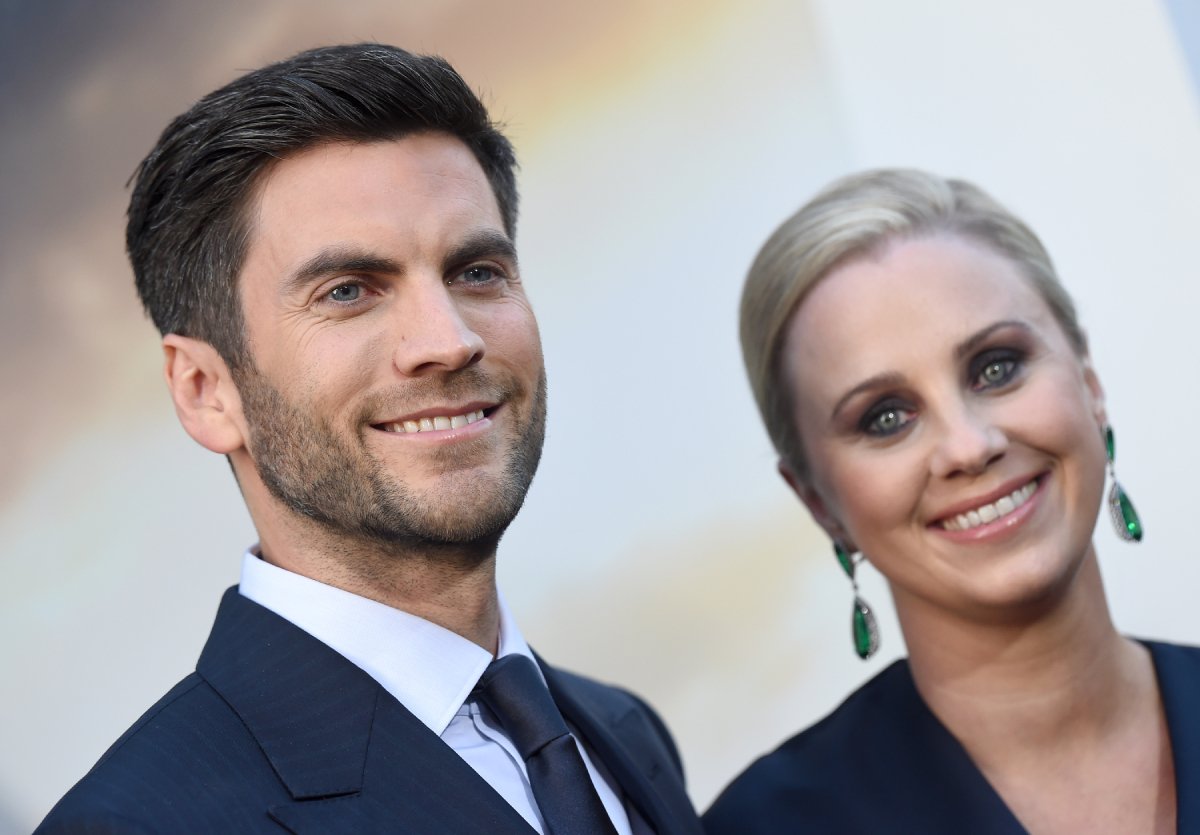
pixel 188 226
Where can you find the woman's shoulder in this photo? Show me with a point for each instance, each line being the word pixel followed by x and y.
pixel 1166 652
pixel 818 774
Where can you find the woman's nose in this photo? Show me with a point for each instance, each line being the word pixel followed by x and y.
pixel 968 444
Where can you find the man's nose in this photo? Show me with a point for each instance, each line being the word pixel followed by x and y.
pixel 969 442
pixel 434 335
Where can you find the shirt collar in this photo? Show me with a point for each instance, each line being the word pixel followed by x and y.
pixel 427 668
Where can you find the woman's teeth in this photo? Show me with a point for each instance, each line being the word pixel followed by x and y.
pixel 991 512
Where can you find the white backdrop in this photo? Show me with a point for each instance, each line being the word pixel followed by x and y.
pixel 660 143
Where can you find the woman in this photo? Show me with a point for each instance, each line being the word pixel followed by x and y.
pixel 927 386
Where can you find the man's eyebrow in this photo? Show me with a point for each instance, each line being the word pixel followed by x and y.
pixel 485 243
pixel 336 260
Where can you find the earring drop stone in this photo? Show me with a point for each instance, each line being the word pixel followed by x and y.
pixel 866 632
pixel 844 560
pixel 1125 518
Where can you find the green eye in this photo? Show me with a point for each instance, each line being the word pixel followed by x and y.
pixel 886 420
pixel 995 372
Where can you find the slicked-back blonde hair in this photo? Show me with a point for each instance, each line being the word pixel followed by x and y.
pixel 855 217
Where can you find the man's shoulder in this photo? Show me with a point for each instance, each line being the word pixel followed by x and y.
pixel 614 706
pixel 186 765
pixel 630 738
pixel 608 699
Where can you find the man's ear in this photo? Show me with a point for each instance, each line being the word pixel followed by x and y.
pixel 816 505
pixel 206 399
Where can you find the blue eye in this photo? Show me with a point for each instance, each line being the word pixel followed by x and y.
pixel 479 275
pixel 345 293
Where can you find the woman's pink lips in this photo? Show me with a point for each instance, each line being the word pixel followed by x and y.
pixel 974 503
pixel 997 527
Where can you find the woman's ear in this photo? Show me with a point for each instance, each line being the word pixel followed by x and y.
pixel 205 396
pixel 1092 381
pixel 817 507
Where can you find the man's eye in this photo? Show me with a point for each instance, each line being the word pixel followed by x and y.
pixel 345 293
pixel 479 275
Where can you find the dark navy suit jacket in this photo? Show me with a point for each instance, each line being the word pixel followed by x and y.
pixel 277 732
pixel 882 762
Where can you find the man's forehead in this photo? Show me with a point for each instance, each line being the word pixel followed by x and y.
pixel 344 169
pixel 421 188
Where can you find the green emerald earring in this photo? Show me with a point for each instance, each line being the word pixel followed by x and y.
pixel 863 627
pixel 1124 516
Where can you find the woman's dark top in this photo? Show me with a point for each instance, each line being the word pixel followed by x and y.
pixel 882 762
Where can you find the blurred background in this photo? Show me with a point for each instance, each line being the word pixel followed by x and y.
pixel 660 142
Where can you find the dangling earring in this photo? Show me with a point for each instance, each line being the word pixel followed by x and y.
pixel 865 630
pixel 1125 518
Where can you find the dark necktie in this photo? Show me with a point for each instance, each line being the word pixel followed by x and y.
pixel 513 690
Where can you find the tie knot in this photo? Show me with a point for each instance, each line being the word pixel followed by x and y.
pixel 513 690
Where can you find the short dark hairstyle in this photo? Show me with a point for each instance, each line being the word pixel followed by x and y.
pixel 187 224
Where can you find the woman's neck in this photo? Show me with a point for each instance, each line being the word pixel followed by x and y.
pixel 1059 712
pixel 1062 670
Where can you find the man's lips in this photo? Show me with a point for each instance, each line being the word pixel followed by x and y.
pixel 437 419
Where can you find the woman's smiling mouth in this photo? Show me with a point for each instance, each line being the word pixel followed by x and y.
pixel 992 511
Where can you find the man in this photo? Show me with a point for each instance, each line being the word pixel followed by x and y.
pixel 326 245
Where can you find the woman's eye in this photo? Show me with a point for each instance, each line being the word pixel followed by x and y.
pixel 885 421
pixel 995 372
pixel 345 293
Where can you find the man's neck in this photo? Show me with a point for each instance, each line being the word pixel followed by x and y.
pixel 456 590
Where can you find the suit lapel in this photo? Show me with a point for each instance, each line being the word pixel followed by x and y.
pixel 631 749
pixel 351 756
pixel 412 783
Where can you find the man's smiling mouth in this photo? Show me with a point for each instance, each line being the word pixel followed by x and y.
pixel 991 512
pixel 436 423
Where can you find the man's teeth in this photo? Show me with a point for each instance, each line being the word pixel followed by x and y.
pixel 991 512
pixel 435 423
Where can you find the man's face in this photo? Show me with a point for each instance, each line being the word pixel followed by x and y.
pixel 398 390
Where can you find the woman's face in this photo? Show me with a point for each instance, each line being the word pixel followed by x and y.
pixel 952 433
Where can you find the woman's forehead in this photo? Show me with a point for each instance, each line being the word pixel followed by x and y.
pixel 907 302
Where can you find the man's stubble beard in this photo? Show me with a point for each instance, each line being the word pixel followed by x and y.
pixel 320 474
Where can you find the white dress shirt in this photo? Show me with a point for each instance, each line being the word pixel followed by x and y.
pixel 428 669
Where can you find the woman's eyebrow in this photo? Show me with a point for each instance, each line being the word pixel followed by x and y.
pixel 964 349
pixel 887 379
pixel 968 346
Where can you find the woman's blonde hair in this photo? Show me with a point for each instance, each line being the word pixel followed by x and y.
pixel 854 217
